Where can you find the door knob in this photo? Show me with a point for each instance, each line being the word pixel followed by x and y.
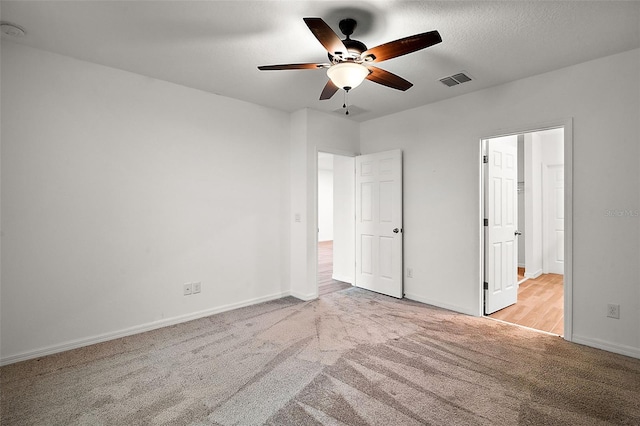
pixel 517 233
pixel 396 230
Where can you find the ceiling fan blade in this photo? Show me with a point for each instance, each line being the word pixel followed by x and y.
pixel 329 90
pixel 325 35
pixel 290 67
pixel 386 78
pixel 400 47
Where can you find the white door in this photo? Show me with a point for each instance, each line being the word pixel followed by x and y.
pixel 379 222
pixel 554 219
pixel 501 251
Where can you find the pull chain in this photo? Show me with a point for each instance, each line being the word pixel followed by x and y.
pixel 346 102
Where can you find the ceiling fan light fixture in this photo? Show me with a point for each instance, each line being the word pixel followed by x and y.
pixel 347 75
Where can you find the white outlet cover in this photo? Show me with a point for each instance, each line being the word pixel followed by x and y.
pixel 187 289
pixel 197 287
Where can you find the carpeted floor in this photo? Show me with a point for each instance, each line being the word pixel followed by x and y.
pixel 351 357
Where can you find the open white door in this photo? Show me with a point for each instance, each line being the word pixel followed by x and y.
pixel 379 222
pixel 501 250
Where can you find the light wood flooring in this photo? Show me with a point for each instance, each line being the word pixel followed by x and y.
pixel 326 284
pixel 540 301
pixel 540 305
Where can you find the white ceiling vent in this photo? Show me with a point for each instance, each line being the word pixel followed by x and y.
pixel 454 80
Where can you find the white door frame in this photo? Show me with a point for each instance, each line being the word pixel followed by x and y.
pixel 567 124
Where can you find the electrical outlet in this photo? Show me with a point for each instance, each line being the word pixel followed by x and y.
pixel 613 311
pixel 197 287
pixel 187 288
pixel 409 272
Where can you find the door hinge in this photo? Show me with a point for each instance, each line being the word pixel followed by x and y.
pixel 485 222
pixel 485 159
pixel 486 285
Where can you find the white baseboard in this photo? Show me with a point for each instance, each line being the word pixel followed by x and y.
pixel 520 265
pixel 305 297
pixel 343 278
pixel 607 346
pixel 78 343
pixel 534 275
pixel 438 304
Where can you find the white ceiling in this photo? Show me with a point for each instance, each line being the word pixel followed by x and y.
pixel 216 46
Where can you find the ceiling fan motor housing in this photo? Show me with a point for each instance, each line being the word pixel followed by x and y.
pixel 354 47
pixel 347 26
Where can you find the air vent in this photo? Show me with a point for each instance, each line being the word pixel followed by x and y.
pixel 449 81
pixel 455 79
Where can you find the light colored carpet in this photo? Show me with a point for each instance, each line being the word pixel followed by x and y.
pixel 350 358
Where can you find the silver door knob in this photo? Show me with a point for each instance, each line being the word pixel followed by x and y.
pixel 396 230
pixel 517 233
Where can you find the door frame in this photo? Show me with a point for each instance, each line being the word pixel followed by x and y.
pixel 567 124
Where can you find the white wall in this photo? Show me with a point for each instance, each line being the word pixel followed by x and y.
pixel 325 205
pixel 343 218
pixel 541 149
pixel 552 146
pixel 117 189
pixel 521 209
pixel 0 211
pixel 303 232
pixel 442 178
pixel 552 154
pixel 311 131
pixel 533 205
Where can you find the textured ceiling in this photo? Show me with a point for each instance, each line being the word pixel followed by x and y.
pixel 216 46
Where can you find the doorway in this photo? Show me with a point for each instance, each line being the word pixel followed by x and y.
pixel 525 242
pixel 366 221
pixel 335 222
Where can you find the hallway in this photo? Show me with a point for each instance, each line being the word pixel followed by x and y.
pixel 540 305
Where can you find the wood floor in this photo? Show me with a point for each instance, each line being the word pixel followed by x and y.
pixel 540 305
pixel 540 301
pixel 326 284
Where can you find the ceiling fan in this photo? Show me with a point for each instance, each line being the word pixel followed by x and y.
pixel 350 60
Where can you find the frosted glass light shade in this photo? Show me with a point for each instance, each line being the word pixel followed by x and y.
pixel 347 75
